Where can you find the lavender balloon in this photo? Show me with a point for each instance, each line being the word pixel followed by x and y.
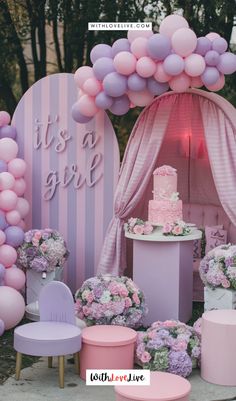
pixel 2 327
pixel 14 236
pixel 102 67
pixel 210 76
pixel 103 101
pixel 8 131
pixel 120 45
pixel 220 45
pixel 173 64
pixel 212 58
pixel 99 51
pixel 158 46
pixel 136 83
pixel 115 84
pixel 79 117
pixel 120 105
pixel 227 63
pixel 3 166
pixel 203 46
pixel 157 88
pixel 3 222
pixel 2 274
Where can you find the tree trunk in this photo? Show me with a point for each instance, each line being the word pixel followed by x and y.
pixel 42 39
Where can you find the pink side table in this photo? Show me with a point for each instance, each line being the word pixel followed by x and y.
pixel 107 347
pixel 163 269
pixel 163 387
pixel 219 347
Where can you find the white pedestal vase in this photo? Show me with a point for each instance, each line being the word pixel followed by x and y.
pixel 219 298
pixel 36 281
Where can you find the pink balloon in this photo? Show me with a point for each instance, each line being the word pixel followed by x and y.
pixel 8 149
pixel 141 98
pixel 180 83
pixel 8 200
pixel 194 65
pixel 87 106
pixel 19 186
pixel 5 118
pixel 212 35
pixel 172 23
pixel 7 181
pixel 161 75
pixel 139 47
pixel 125 63
pixel 17 167
pixel 196 82
pixel 184 41
pixel 15 278
pixel 13 217
pixel 92 86
pixel 22 207
pixel 145 67
pixel 2 237
pixel 132 35
pixel 22 225
pixel 12 306
pixel 8 255
pixel 218 85
pixel 82 74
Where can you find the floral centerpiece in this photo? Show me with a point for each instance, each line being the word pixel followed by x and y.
pixel 138 226
pixel 169 346
pixel 109 299
pixel 177 228
pixel 42 251
pixel 218 267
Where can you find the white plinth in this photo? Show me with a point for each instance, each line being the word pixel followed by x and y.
pixel 219 298
pixel 35 282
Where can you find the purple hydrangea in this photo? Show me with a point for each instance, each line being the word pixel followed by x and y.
pixel 180 363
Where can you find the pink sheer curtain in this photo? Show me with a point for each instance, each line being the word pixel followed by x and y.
pixel 136 170
pixel 220 137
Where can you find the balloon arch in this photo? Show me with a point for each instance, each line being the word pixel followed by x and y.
pixel 135 69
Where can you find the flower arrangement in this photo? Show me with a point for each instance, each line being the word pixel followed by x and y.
pixel 177 228
pixel 218 267
pixel 42 250
pixel 138 226
pixel 169 346
pixel 165 170
pixel 107 299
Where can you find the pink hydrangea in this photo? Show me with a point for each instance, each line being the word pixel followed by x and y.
pixel 136 298
pixel 169 323
pixel 145 357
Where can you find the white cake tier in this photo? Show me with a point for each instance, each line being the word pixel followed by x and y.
pixel 164 186
pixel 162 212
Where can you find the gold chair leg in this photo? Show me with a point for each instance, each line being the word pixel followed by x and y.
pixel 61 370
pixel 50 361
pixel 76 359
pixel 18 364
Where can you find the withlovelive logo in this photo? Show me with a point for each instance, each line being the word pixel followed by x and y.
pixel 119 26
pixel 109 377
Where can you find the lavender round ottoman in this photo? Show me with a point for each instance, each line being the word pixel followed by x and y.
pixel 163 387
pixel 219 347
pixel 107 347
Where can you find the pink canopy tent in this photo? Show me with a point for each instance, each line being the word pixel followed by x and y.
pixel 194 132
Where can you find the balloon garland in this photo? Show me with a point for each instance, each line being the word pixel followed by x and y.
pixel 134 70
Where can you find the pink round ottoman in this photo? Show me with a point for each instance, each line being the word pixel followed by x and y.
pixel 163 387
pixel 219 347
pixel 107 347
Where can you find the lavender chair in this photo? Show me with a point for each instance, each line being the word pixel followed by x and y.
pixel 55 334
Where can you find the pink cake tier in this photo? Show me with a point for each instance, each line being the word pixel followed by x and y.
pixel 161 212
pixel 164 186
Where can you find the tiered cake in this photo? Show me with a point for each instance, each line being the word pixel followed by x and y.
pixel 165 206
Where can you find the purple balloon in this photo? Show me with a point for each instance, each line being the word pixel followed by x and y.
pixel 136 83
pixel 3 223
pixel 120 105
pixel 227 63
pixel 2 327
pixel 203 46
pixel 14 236
pixel 78 117
pixel 173 64
pixel 212 58
pixel 103 101
pixel 99 51
pixel 2 272
pixel 3 166
pixel 120 45
pixel 8 131
pixel 220 45
pixel 115 84
pixel 158 46
pixel 157 88
pixel 102 67
pixel 210 76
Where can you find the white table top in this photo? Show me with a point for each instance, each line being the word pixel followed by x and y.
pixel 157 236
